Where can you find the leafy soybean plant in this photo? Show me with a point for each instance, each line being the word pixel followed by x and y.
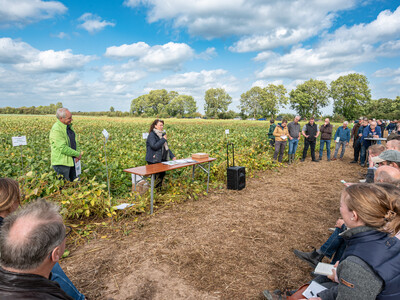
pixel 125 149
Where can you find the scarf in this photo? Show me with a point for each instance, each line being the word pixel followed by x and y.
pixel 160 135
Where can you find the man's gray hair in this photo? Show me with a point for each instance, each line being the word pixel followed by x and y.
pixel 61 112
pixel 387 174
pixel 345 122
pixel 29 252
pixel 297 117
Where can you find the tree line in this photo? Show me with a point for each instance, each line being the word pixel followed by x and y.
pixel 350 94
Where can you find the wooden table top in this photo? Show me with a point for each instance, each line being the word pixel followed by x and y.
pixel 160 167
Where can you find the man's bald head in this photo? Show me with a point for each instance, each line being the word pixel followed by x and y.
pixel 387 174
pixel 393 145
pixel 30 234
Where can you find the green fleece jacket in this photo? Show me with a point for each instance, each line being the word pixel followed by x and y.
pixel 61 151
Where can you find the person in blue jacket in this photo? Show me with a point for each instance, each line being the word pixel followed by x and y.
pixel 343 134
pixel 372 130
pixel 157 149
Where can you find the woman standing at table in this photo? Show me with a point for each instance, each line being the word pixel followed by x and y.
pixel 157 149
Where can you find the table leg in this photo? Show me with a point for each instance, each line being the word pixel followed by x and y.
pixel 194 167
pixel 135 187
pixel 208 175
pixel 152 193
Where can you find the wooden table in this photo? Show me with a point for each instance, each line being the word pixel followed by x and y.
pixel 160 167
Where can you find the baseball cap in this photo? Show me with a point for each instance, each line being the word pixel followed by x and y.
pixel 390 155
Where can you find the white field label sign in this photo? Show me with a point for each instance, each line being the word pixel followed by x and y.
pixel 19 141
pixel 105 133
pixel 226 131
pixel 145 135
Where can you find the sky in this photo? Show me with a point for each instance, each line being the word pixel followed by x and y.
pixel 94 54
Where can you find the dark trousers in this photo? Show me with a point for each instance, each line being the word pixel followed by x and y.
pixel 279 149
pixel 272 142
pixel 308 144
pixel 357 149
pixel 67 172
pixel 158 178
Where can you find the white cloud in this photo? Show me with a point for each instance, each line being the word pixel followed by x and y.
pixel 339 51
pixel 263 24
pixel 22 12
pixel 93 23
pixel 124 51
pixel 387 72
pixel 264 83
pixel 25 58
pixel 155 58
pixel 125 74
pixel 208 54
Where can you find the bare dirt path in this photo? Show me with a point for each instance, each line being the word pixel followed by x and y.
pixel 227 245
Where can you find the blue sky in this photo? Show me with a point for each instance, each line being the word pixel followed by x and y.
pixel 93 54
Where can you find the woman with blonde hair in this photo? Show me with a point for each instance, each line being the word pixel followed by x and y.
pixel 370 265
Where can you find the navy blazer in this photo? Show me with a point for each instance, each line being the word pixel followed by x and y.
pixel 154 149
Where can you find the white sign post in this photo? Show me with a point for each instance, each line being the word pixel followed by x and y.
pixel 145 135
pixel 106 136
pixel 19 141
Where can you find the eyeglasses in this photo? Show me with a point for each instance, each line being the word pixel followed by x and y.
pixel 68 230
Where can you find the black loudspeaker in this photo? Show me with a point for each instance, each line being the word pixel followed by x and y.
pixel 236 176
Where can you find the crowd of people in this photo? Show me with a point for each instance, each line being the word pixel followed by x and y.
pixel 364 246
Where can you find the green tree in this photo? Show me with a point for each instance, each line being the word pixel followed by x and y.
pixel 350 94
pixel 275 96
pixel 217 101
pixel 181 105
pixel 157 100
pixel 250 102
pixel 309 97
pixel 139 105
pixel 112 109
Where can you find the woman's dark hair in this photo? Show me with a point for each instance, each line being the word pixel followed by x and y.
pixel 284 121
pixel 155 122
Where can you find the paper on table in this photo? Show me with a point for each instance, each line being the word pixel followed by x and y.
pixel 123 206
pixel 313 289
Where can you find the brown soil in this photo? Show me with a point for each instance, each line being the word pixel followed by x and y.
pixel 227 245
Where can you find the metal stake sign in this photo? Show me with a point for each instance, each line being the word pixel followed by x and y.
pixel 106 136
pixel 19 141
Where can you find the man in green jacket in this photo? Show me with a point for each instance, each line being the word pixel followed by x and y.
pixel 65 150
pixel 271 136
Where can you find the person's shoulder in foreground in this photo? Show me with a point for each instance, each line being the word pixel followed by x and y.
pixel 32 241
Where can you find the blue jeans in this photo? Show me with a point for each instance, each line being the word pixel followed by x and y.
pixel 363 154
pixel 293 145
pixel 328 148
pixel 340 143
pixel 334 245
pixel 58 275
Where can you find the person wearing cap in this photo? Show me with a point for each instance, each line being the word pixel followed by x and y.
pixel 65 151
pixel 374 151
pixel 388 158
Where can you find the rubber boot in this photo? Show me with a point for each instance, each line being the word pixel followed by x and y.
pixel 312 258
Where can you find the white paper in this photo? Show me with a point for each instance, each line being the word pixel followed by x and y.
pixel 145 135
pixel 324 269
pixel 78 168
pixel 105 133
pixel 313 289
pixel 226 131
pixel 18 141
pixel 123 206
pixel 337 139
pixel 283 137
pixel 138 178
